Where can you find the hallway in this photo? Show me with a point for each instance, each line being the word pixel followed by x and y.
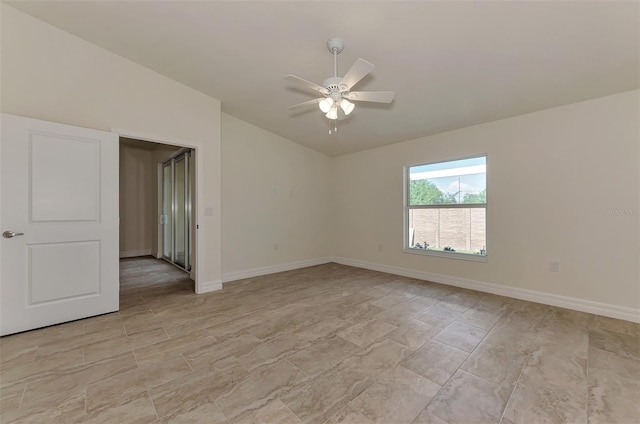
pixel 145 279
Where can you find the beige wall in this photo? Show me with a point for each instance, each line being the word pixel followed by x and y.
pixel 137 207
pixel 552 177
pixel 274 192
pixel 51 75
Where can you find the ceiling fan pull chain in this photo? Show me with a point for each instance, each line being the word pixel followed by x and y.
pixel 335 127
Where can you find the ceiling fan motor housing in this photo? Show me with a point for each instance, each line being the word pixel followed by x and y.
pixel 333 84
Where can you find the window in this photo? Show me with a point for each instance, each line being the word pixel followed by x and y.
pixel 446 208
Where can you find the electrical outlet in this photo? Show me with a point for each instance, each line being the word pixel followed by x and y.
pixel 554 266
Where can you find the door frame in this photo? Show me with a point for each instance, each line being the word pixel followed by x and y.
pixel 195 195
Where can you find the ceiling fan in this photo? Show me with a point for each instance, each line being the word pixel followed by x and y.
pixel 336 95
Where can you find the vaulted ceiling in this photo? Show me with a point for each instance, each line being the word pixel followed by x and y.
pixel 451 64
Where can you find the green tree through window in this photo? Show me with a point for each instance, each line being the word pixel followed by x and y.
pixel 424 192
pixel 475 197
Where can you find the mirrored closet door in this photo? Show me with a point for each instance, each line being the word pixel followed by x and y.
pixel 176 210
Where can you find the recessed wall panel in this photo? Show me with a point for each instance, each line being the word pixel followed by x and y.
pixel 63 271
pixel 65 178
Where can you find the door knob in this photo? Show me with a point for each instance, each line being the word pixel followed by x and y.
pixel 11 234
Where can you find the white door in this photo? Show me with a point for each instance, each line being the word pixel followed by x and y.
pixel 59 223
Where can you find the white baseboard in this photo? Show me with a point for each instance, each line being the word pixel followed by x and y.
pixel 209 286
pixel 605 309
pixel 134 253
pixel 272 269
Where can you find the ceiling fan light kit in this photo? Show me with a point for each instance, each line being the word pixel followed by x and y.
pixel 336 90
pixel 325 104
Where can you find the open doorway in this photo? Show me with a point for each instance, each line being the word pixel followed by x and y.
pixel 148 230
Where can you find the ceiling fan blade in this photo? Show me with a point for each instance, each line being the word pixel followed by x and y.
pixel 358 71
pixel 371 96
pixel 308 84
pixel 307 103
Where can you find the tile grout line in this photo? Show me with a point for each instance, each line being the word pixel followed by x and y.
pixel 343 408
pixel 215 402
pixel 586 401
pixel 515 386
pixel 298 368
pixel 166 332
pixel 148 391
pixel 463 362
pixel 135 358
pixel 187 361
pixel 289 409
pixel 524 364
pixel 24 390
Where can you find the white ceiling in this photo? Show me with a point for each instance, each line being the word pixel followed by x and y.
pixel 451 64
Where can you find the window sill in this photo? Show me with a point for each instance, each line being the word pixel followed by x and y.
pixel 448 255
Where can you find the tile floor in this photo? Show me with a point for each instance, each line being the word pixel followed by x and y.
pixel 325 344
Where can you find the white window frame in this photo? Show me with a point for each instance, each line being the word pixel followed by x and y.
pixel 407 209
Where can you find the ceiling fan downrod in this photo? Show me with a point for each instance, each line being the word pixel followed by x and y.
pixel 334 101
pixel 335 46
